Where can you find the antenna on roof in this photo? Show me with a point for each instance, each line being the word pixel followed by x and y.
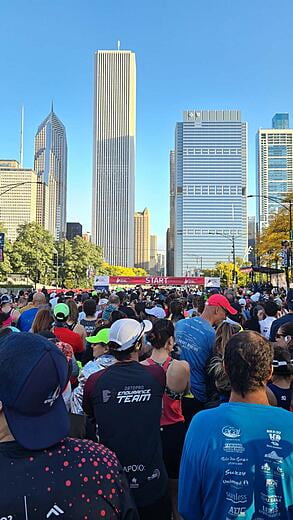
pixel 21 137
pixel 118 45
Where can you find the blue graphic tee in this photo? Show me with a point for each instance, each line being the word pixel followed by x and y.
pixel 237 463
pixel 195 337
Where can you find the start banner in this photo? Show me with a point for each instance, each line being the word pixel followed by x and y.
pixel 156 280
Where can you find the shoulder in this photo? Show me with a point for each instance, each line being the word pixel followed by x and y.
pixel 156 372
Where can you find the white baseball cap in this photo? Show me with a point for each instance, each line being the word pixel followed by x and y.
pixel 103 301
pixel 126 332
pixel 242 301
pixel 157 312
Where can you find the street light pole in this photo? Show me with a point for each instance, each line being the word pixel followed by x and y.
pixel 283 205
pixel 234 259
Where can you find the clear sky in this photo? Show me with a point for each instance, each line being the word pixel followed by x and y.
pixel 203 54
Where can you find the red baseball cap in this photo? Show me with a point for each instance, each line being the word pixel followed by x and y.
pixel 218 300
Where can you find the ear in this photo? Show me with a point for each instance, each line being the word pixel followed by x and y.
pixel 1 406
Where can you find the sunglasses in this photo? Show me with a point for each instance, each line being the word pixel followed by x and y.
pixel 281 336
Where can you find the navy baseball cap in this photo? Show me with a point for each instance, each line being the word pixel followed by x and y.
pixel 33 375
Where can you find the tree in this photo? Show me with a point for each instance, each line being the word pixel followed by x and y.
pixel 5 266
pixel 225 271
pixel 269 241
pixel 32 252
pixel 86 260
pixel 117 270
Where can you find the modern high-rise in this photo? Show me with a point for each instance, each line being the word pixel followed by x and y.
pixel 18 196
pixel 73 229
pixel 114 155
pixel 153 254
pixel 50 164
pixel 171 229
pixel 210 197
pixel 142 239
pixel 274 152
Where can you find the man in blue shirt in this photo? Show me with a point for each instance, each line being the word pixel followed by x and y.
pixel 195 338
pixel 27 317
pixel 237 461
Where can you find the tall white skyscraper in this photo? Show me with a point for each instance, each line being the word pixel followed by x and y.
pixel 274 148
pixel 114 155
pixel 210 195
pixel 50 164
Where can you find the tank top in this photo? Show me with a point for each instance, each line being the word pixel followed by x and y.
pixel 283 395
pixel 7 318
pixel 171 409
pixel 89 325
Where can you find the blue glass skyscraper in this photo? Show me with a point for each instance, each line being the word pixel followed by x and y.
pixel 210 197
pixel 50 164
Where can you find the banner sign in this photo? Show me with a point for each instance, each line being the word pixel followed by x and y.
pixel 212 281
pixel 155 280
pixel 101 281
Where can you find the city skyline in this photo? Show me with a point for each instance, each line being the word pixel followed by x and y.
pixel 223 71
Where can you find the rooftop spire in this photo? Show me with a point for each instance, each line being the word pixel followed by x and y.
pixel 52 107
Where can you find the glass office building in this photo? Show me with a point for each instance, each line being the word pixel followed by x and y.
pixel 210 198
pixel 114 155
pixel 274 168
pixel 50 164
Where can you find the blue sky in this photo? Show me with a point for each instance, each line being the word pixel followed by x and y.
pixel 190 54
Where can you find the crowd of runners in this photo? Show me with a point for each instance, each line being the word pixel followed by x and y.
pixel 147 404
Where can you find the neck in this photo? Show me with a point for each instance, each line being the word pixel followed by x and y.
pixel 257 397
pixel 5 433
pixel 160 354
pixel 282 382
pixel 206 315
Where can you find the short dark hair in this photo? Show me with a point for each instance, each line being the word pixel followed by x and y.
pixel 271 308
pixel 283 354
pixel 90 307
pixel 286 329
pixel 248 361
pixel 162 330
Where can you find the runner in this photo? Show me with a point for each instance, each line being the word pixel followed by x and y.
pixel 46 474
pixel 89 321
pixel 8 315
pixel 172 420
pixel 281 382
pixel 195 337
pixel 27 317
pixel 125 401
pixel 238 458
pixel 63 333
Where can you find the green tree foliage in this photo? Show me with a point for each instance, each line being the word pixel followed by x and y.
pixel 269 242
pixel 117 270
pixel 32 252
pixel 5 267
pixel 225 271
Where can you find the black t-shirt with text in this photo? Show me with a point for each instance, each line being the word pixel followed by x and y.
pixel 74 479
pixel 125 400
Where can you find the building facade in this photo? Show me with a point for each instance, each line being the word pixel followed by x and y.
pixel 170 241
pixel 210 197
pixel 142 239
pixel 114 155
pixel 73 229
pixel 18 192
pixel 274 153
pixel 50 164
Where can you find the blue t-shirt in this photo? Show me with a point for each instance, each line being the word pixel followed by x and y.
pixel 237 463
pixel 26 319
pixel 195 337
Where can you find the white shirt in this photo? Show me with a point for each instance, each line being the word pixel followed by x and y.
pixel 265 326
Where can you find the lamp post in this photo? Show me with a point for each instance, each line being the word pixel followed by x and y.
pixel 287 205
